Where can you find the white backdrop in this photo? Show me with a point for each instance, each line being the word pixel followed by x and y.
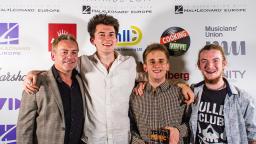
pixel 25 28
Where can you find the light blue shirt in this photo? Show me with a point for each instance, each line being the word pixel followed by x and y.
pixel 239 114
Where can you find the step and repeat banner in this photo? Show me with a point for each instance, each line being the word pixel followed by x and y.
pixel 27 28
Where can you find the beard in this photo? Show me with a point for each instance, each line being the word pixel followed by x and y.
pixel 212 81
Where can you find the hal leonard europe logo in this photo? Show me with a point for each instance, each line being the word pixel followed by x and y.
pixel 9 33
pixel 178 9
pixel 7 134
pixel 86 9
pixel 129 37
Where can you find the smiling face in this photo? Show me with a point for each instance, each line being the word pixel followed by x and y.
pixel 156 65
pixel 211 64
pixel 104 39
pixel 65 56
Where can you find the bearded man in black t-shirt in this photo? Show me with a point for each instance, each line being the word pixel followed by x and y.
pixel 221 113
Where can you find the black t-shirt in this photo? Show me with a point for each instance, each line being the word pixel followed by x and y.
pixel 210 123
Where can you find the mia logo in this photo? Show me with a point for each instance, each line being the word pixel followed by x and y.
pixel 234 48
pixel 178 9
pixel 86 9
pixel 9 33
pixel 129 37
pixel 7 134
pixel 57 29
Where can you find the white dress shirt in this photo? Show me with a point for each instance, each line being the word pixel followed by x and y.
pixel 107 120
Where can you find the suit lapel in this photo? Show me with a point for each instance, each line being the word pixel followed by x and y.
pixel 56 94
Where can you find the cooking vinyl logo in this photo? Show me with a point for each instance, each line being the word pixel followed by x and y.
pixel 177 40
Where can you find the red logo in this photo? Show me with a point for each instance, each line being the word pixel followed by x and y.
pixel 57 29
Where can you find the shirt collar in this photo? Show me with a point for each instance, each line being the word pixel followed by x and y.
pixel 56 74
pixel 231 89
pixel 118 57
pixel 162 87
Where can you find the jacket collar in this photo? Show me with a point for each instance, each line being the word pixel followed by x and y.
pixel 231 89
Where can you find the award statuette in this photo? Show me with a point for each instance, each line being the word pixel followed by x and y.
pixel 159 136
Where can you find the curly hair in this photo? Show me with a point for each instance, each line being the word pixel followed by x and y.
pixel 102 19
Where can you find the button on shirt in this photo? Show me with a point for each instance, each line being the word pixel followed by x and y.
pixel 108 103
pixel 73 108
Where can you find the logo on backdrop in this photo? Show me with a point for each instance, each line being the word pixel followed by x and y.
pixel 9 33
pixel 47 7
pixel 7 134
pixel 10 40
pixel 57 29
pixel 119 8
pixel 182 75
pixel 9 103
pixel 86 9
pixel 8 76
pixel 235 48
pixel 178 9
pixel 129 38
pixel 177 40
pixel 230 8
pixel 235 74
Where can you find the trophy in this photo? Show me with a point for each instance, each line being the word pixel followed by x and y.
pixel 158 136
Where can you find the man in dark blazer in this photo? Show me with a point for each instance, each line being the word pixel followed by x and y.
pixel 55 114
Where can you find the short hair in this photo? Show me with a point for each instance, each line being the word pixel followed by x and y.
pixel 155 47
pixel 102 19
pixel 63 37
pixel 211 47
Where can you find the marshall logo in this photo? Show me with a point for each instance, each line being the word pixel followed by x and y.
pixel 7 134
pixel 9 33
pixel 8 76
pixel 57 29
pixel 86 9
pixel 178 9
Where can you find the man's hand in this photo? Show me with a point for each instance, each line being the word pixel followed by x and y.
pixel 188 94
pixel 139 89
pixel 29 84
pixel 174 135
pixel 252 142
